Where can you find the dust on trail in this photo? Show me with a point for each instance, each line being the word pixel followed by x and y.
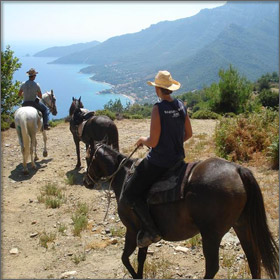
pixel 97 252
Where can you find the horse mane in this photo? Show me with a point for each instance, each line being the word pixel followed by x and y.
pixel 116 153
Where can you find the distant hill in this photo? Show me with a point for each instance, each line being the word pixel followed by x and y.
pixel 66 50
pixel 193 49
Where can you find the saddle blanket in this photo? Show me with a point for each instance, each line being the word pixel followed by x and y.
pixel 81 126
pixel 172 185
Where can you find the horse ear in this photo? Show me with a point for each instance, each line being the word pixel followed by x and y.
pixel 51 91
pixel 73 98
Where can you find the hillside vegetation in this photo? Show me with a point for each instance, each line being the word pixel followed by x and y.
pixel 193 49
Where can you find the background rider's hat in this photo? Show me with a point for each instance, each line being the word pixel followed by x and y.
pixel 31 72
pixel 164 79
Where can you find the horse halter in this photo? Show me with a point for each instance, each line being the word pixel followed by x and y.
pixel 109 177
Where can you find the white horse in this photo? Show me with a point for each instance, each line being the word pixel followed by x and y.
pixel 29 121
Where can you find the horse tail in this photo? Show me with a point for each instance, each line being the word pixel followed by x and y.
pixel 259 230
pixel 23 137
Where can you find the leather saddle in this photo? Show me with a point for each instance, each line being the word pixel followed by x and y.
pixel 172 185
pixel 80 119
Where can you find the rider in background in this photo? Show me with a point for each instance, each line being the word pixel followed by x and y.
pixel 170 127
pixel 31 91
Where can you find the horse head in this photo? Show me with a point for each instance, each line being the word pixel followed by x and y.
pixel 77 116
pixel 102 162
pixel 76 103
pixel 50 100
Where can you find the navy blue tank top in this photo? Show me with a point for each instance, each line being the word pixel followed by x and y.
pixel 170 147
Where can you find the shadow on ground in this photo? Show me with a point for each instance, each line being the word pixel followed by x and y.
pixel 18 176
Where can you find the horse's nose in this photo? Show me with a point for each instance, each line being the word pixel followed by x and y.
pixel 87 182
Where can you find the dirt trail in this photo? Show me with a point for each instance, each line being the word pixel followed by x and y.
pixel 97 252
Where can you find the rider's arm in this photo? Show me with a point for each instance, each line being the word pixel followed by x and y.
pixel 155 130
pixel 188 128
pixel 39 93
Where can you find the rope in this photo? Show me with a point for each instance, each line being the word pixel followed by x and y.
pixel 108 193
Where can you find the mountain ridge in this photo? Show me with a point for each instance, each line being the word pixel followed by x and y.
pixel 193 49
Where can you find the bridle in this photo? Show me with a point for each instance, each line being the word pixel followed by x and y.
pixel 51 98
pixel 109 177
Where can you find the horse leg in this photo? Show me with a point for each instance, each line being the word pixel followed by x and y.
pixel 243 232
pixel 36 157
pixel 77 143
pixel 45 152
pixel 210 244
pixel 32 148
pixel 142 254
pixel 129 248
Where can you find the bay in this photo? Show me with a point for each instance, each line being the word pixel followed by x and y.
pixel 66 81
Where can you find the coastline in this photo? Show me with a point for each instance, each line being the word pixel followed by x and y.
pixel 132 99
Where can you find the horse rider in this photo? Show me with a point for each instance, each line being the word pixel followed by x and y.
pixel 170 127
pixel 30 90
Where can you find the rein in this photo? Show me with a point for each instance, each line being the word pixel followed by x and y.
pixel 110 177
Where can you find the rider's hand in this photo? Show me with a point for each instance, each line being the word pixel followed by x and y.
pixel 141 141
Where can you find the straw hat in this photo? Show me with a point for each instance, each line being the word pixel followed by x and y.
pixel 31 72
pixel 164 79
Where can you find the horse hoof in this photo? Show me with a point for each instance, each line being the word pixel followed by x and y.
pixel 25 172
pixel 34 167
pixel 36 158
pixel 45 154
pixel 78 166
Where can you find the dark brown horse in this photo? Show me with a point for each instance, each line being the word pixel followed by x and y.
pixel 76 103
pixel 97 128
pixel 220 195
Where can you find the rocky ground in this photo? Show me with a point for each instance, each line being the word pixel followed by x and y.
pixel 38 242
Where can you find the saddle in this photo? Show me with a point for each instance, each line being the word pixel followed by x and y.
pixel 34 105
pixel 172 185
pixel 80 120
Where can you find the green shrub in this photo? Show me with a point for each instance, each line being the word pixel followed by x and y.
pixel 203 114
pixel 273 153
pixel 80 219
pixel 269 98
pixel 229 115
pixel 239 138
pixel 54 123
pixel 107 113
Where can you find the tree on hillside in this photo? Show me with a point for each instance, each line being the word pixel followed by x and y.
pixel 235 91
pixel 9 89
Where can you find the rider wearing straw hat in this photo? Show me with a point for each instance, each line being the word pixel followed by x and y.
pixel 170 128
pixel 30 90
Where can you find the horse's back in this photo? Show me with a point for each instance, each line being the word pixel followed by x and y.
pixel 26 112
pixel 28 116
pixel 215 191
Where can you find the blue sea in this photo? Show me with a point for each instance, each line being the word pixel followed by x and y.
pixel 66 82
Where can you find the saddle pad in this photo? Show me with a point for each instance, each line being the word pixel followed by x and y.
pixel 81 128
pixel 172 186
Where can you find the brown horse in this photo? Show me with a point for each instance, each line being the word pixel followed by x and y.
pixel 97 128
pixel 76 103
pixel 219 195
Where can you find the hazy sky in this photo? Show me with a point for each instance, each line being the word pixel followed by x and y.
pixel 62 23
